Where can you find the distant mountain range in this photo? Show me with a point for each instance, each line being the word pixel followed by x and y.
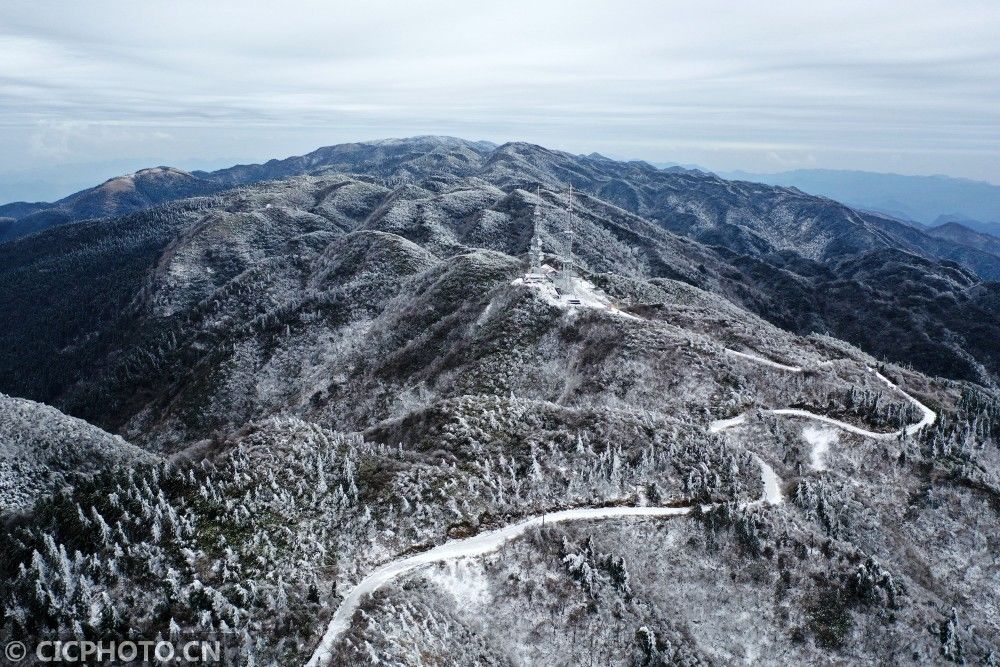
pixel 927 200
pixel 920 201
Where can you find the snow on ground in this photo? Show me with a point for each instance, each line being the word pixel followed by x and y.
pixel 720 425
pixel 772 484
pixel 464 580
pixel 820 439
pixel 764 361
pixel 584 293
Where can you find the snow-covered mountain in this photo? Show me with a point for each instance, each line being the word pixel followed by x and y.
pixel 388 434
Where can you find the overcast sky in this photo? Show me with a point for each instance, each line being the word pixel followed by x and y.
pixel 903 86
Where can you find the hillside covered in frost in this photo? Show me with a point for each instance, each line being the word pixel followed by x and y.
pixel 763 427
pixel 40 447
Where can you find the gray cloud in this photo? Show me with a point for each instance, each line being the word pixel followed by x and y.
pixel 907 86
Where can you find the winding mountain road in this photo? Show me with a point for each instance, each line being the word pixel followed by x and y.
pixel 492 540
pixel 928 418
pixel 477 545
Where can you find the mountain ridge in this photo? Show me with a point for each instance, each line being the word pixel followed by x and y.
pixel 417 157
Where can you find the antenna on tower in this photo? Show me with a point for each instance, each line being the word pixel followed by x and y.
pixel 568 268
pixel 535 260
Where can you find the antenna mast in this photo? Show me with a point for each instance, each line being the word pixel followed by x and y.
pixel 568 268
pixel 535 259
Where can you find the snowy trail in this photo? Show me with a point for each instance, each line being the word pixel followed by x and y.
pixel 586 295
pixel 929 415
pixel 765 361
pixel 478 545
pixel 795 412
pixel 489 541
pixel 722 424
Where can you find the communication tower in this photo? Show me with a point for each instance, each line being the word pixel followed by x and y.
pixel 567 272
pixel 535 251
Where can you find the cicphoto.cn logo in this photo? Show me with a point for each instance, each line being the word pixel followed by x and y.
pixel 139 651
